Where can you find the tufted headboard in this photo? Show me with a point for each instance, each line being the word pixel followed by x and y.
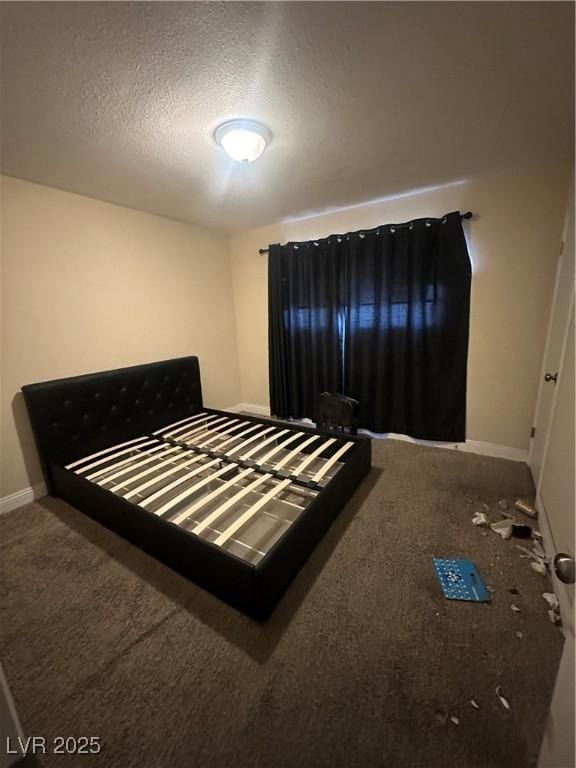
pixel 80 415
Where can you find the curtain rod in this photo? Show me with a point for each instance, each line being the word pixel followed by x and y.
pixel 467 215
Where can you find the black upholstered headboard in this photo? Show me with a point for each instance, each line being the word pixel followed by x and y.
pixel 80 415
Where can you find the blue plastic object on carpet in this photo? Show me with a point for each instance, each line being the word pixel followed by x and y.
pixel 460 580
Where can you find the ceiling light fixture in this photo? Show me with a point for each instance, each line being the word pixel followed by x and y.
pixel 243 140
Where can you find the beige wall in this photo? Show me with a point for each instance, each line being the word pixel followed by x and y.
pixel 85 283
pixel 514 244
pixel 89 286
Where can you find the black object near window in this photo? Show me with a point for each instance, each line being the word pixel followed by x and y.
pixel 380 316
pixel 336 413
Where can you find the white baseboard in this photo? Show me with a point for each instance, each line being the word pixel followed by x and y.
pixel 257 410
pixel 470 446
pixel 21 498
pixel 499 451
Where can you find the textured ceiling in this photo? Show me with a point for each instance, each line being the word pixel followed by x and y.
pixel 118 101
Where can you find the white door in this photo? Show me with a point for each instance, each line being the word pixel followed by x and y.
pixel 556 502
pixel 556 334
pixel 555 493
pixel 553 463
pixel 10 728
pixel 558 745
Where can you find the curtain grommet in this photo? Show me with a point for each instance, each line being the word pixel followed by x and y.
pixel 392 230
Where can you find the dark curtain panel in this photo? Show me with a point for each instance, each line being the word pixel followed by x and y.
pixel 305 353
pixel 381 316
pixel 407 297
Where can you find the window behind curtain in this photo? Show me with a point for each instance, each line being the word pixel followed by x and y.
pixel 381 316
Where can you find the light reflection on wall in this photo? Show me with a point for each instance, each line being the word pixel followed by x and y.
pixel 374 202
pixel 473 259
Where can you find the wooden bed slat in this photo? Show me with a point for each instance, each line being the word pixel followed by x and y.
pixel 222 432
pixel 162 463
pixel 192 490
pixel 249 441
pixel 138 462
pixel 134 454
pixel 209 497
pixel 238 436
pixel 296 450
pixel 254 509
pixel 331 461
pixel 230 502
pixel 312 456
pixel 190 419
pixel 261 445
pixel 135 450
pixel 106 450
pixel 175 483
pixel 263 459
pixel 205 421
pixel 172 471
pixel 205 428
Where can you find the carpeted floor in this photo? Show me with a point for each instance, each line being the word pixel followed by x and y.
pixel 362 663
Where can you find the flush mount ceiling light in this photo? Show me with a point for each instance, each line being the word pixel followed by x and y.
pixel 243 140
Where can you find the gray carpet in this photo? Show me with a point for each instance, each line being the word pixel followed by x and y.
pixel 362 663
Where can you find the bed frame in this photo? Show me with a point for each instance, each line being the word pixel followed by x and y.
pixel 235 503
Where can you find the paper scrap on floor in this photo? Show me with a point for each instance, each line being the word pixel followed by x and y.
pixel 460 580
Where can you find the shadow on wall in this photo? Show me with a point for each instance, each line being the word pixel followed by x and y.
pixel 26 440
